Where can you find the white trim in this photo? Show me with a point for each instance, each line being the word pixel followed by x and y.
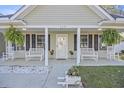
pixel 10 21
pixel 101 15
pixel 66 26
pixel 4 18
pixel 46 46
pixel 93 40
pixel 30 40
pixel 62 26
pixel 78 46
pixel 19 12
pixel 55 26
pixel 104 12
pixel 120 19
pixel 112 22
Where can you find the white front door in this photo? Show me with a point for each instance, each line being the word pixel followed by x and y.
pixel 61 46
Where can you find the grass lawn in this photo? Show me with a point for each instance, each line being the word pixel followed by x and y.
pixel 102 77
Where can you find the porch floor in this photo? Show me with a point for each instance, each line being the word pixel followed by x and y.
pixel 55 62
pixel 58 68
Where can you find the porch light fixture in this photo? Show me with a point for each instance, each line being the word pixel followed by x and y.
pixel 24 29
pixel 99 29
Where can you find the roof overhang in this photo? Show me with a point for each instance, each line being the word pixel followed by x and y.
pixel 101 12
pixel 14 22
pixel 119 22
pixel 23 11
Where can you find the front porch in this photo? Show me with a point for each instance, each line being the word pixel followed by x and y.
pixel 62 40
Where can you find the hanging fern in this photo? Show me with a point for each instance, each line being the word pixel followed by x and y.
pixel 110 37
pixel 14 35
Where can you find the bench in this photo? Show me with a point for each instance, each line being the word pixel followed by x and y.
pixel 89 53
pixel 34 53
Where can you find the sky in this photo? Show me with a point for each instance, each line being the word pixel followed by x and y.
pixel 10 9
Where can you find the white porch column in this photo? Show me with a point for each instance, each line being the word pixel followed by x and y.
pixel 78 46
pixel 46 46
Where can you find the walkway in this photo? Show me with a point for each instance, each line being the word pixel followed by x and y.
pixel 58 70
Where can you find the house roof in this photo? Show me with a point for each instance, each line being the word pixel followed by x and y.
pixel 1 14
pixel 115 16
pixel 6 16
pixel 10 15
pixel 28 8
pixel 112 15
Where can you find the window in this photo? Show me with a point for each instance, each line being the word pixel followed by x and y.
pixel 84 41
pixel 40 41
pixel 102 46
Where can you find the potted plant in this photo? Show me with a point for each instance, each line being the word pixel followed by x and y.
pixel 51 52
pixel 73 71
pixel 110 37
pixel 14 36
pixel 71 52
pixel 73 74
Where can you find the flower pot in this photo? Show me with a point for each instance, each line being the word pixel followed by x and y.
pixel 73 79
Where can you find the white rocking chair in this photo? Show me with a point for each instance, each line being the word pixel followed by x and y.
pixel 9 53
pixel 111 54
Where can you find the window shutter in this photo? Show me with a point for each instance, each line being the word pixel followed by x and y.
pixel 33 41
pixel 49 42
pixel 96 42
pixel 75 42
pixel 27 41
pixel 90 41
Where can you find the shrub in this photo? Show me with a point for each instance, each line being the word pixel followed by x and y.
pixel 122 51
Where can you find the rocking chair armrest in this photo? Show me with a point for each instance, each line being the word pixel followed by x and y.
pixel 96 53
pixel 61 78
pixel 3 54
pixel 27 53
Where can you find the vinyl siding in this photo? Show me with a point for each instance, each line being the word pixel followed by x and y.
pixel 62 15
